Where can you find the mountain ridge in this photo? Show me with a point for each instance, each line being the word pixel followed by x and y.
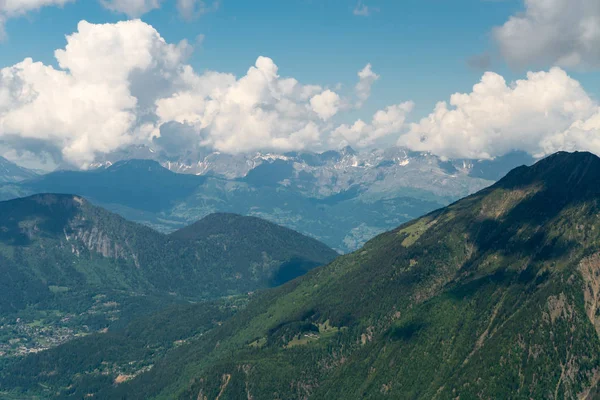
pixel 340 199
pixel 490 296
pixel 80 268
pixel 237 166
pixel 66 217
pixel 559 169
pixel 11 172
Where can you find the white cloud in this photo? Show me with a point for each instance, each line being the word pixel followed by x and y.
pixel 91 104
pixel 560 32
pixel 385 122
pixel 260 110
pixel 326 104
pixel 362 10
pixel 15 8
pixel 546 112
pixel 581 135
pixel 366 80
pixel 120 84
pixel 132 8
pixel 190 9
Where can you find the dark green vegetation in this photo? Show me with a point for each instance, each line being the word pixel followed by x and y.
pixel 120 354
pixel 78 268
pixel 241 237
pixel 495 296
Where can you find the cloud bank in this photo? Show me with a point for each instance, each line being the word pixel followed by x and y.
pixel 564 33
pixel 122 84
pixel 91 104
pixel 547 112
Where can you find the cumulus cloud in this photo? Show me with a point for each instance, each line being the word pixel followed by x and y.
pixel 581 135
pixel 260 110
pixel 546 112
pixel 121 84
pixel 560 32
pixel 326 104
pixel 15 8
pixel 87 106
pixel 132 8
pixel 366 79
pixel 385 122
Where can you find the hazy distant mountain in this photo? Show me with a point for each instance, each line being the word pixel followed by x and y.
pixel 11 172
pixel 494 296
pixel 331 172
pixel 138 184
pixel 342 198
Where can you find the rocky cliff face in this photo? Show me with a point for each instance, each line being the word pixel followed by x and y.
pixel 95 240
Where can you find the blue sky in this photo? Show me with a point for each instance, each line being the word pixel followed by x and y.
pixel 419 47
pixel 423 51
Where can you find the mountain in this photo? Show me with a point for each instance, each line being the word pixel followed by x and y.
pixel 239 238
pixel 11 172
pixel 494 296
pixel 324 165
pixel 340 198
pixel 140 184
pixel 362 193
pixel 244 239
pixel 93 247
pixel 62 254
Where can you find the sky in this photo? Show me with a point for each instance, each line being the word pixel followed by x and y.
pixel 461 79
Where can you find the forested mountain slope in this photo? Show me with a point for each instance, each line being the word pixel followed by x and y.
pixel 69 267
pixel 494 296
pixel 64 241
pixel 347 203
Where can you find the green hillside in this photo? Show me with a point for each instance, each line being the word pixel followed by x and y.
pixel 494 296
pixel 240 238
pixel 71 268
pixel 64 241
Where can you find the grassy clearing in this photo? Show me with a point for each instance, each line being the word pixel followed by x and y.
pixel 414 231
pixel 58 289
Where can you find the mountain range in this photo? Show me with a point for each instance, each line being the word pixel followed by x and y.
pixel 493 296
pixel 342 198
pixel 323 165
